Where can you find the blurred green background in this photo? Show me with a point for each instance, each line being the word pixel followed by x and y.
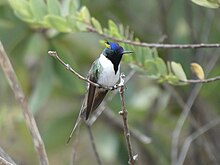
pixel 55 95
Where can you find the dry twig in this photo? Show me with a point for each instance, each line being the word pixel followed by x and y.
pixel 20 97
pixel 154 45
pixel 124 115
pixel 93 144
pixel 68 67
pixel 209 80
pixel 5 159
pixel 185 113
pixel 194 136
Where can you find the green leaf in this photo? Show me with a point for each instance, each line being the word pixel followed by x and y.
pixel 178 71
pixel 138 55
pixel 137 68
pixel 207 3
pixel 53 7
pixel 113 29
pixel 97 25
pixel 57 22
pixel 22 9
pixel 39 9
pixel 71 21
pixel 172 79
pixel 43 86
pixel 151 68
pixel 73 6
pixel 148 53
pixel 128 58
pixel 161 66
pixel 84 15
pixel 81 26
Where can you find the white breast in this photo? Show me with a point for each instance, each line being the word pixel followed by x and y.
pixel 108 77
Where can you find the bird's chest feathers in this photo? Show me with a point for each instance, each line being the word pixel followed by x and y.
pixel 107 75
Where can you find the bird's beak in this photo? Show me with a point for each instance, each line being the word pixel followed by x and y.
pixel 127 52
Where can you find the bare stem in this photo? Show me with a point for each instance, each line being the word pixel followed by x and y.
pixel 20 97
pixel 68 67
pixel 185 113
pixel 209 80
pixel 5 159
pixel 154 45
pixel 93 145
pixel 193 137
pixel 124 115
pixel 109 117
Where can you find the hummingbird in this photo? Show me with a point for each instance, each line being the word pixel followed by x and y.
pixel 104 71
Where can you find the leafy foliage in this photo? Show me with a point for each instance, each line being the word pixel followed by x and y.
pixel 49 15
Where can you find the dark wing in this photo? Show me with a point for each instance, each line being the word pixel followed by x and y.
pixel 95 95
pixel 90 99
pixel 99 96
pixel 93 76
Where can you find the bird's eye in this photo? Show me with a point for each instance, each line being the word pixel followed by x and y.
pixel 107 45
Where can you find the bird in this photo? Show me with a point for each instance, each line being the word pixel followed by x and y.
pixel 104 71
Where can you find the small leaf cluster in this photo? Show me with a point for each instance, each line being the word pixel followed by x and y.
pixel 49 14
pixel 71 17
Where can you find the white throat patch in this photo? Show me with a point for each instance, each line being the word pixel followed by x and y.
pixel 108 77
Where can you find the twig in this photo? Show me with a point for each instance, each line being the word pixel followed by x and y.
pixel 93 144
pixel 124 115
pixel 68 67
pixel 209 80
pixel 185 113
pixel 75 146
pixel 110 117
pixel 193 136
pixel 5 159
pixel 155 45
pixel 20 97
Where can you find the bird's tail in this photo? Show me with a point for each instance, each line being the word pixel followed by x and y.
pixel 78 121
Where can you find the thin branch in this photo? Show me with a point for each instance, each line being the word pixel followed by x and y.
pixel 68 67
pixel 112 118
pixel 194 136
pixel 75 146
pixel 124 115
pixel 154 45
pixel 93 144
pixel 20 97
pixel 181 121
pixel 209 80
pixel 4 161
pixel 185 113
pixel 5 158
